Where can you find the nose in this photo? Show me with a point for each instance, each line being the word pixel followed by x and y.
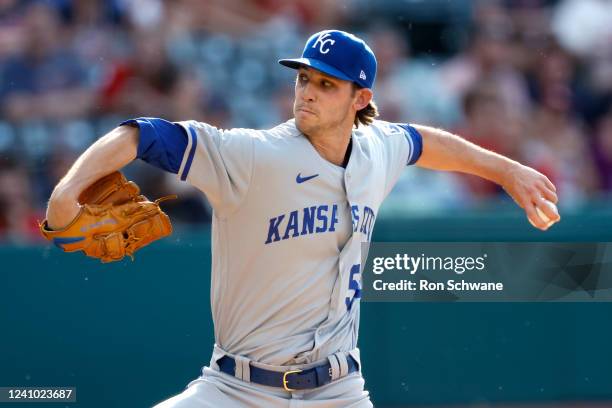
pixel 307 93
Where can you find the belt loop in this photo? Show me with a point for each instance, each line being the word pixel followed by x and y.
pixel 335 367
pixel 238 368
pixel 217 354
pixel 354 353
pixel 243 368
pixel 343 364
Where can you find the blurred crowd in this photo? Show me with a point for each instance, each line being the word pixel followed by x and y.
pixel 531 79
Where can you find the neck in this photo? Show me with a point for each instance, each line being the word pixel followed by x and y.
pixel 332 146
pixel 332 143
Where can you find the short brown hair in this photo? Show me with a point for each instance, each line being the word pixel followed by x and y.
pixel 366 115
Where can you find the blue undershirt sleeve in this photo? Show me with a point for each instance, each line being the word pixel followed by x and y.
pixel 161 143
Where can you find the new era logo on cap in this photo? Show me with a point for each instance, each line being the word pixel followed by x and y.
pixel 339 54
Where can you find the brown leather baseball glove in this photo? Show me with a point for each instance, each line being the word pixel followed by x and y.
pixel 115 220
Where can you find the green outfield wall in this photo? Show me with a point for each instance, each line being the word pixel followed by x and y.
pixel 133 333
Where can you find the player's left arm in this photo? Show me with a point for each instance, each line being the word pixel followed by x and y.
pixel 529 188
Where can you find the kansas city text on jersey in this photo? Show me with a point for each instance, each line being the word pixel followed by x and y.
pixel 317 219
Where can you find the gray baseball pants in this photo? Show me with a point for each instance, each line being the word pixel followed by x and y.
pixel 215 389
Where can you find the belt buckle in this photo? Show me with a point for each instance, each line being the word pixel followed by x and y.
pixel 285 382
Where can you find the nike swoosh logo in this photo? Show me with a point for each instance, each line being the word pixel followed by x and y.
pixel 299 179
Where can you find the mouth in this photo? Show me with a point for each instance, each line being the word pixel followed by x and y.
pixel 304 110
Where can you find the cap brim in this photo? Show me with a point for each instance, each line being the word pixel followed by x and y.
pixel 316 64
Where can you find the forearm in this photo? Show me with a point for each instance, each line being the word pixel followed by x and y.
pixel 109 153
pixel 444 151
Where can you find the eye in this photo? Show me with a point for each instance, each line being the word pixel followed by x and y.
pixel 326 83
pixel 302 78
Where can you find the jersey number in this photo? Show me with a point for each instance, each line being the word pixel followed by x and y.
pixel 354 285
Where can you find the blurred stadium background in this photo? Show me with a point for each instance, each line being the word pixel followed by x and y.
pixel 531 79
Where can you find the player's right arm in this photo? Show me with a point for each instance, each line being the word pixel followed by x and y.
pixel 109 153
pixel 529 188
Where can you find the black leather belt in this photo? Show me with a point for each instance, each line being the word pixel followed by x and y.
pixel 290 380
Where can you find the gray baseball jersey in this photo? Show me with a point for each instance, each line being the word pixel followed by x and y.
pixel 287 227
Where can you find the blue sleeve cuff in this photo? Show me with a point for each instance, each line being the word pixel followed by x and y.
pixel 161 143
pixel 415 140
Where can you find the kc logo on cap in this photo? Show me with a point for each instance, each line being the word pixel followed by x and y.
pixel 338 54
pixel 322 40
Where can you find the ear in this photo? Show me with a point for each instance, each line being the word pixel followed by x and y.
pixel 363 97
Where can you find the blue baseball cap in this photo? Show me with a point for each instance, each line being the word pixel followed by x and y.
pixel 338 54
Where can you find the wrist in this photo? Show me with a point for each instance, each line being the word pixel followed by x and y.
pixel 506 172
pixel 63 194
pixel 60 215
pixel 63 206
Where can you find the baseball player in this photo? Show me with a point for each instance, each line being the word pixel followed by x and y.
pixel 291 206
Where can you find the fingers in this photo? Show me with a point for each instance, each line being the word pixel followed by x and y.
pixel 547 189
pixel 550 195
pixel 533 217
pixel 537 195
pixel 541 213
pixel 547 200
pixel 549 209
pixel 549 184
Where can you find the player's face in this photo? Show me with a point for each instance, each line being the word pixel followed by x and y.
pixel 323 103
